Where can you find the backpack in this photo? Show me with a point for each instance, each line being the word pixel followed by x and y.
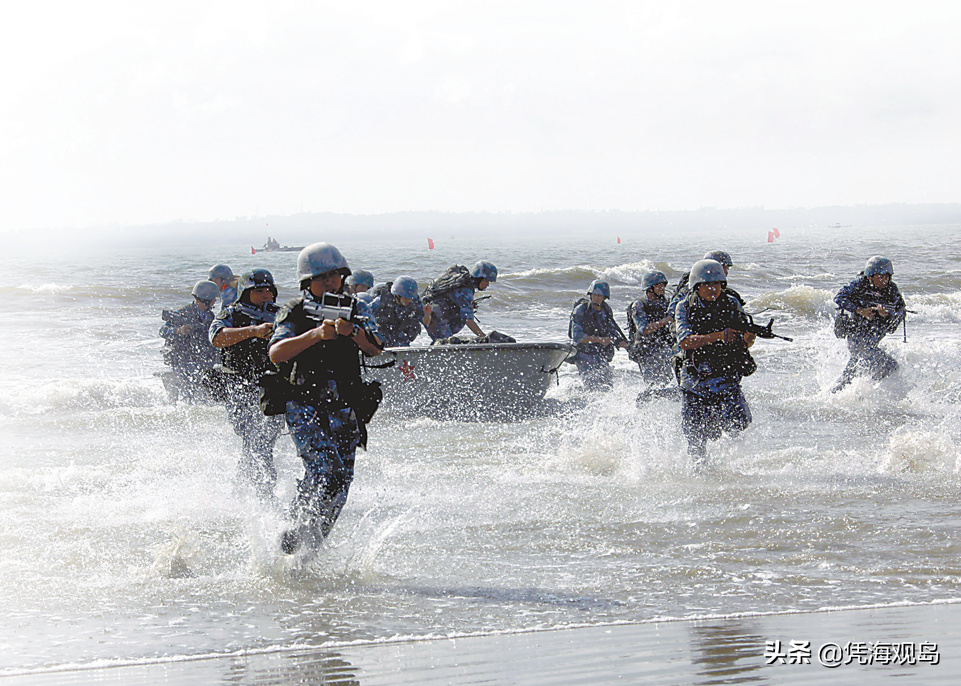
pixel 455 277
pixel 380 290
pixel 570 324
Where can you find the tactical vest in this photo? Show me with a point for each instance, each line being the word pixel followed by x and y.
pixel 719 358
pixel 337 360
pixel 655 310
pixel 595 323
pixel 866 295
pixel 249 357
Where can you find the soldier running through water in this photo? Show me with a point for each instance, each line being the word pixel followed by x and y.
pixel 716 358
pixel 241 332
pixel 649 325
pixel 871 307
pixel 596 335
pixel 329 405
pixel 187 349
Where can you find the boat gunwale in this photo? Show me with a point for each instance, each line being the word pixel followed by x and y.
pixel 400 350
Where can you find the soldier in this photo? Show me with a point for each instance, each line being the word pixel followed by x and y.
pixel 187 349
pixel 596 334
pixel 361 281
pixel 716 358
pixel 649 326
pixel 241 332
pixel 398 312
pixel 449 301
pixel 330 404
pixel 226 282
pixel 871 307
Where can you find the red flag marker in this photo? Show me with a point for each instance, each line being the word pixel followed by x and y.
pixel 618 239
pixel 770 236
pixel 777 234
pixel 430 244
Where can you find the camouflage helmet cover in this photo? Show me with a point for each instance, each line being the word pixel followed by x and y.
pixel 598 286
pixel 653 278
pixel 257 278
pixel 484 270
pixel 707 271
pixel 320 258
pixel 404 287
pixel 361 277
pixel 879 265
pixel 205 290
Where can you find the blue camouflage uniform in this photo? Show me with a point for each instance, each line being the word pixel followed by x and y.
pixel 322 421
pixel 712 400
pixel 654 351
pixel 451 312
pixel 245 363
pixel 865 334
pixel 189 355
pixel 398 324
pixel 593 359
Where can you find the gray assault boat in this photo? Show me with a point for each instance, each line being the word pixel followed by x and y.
pixel 469 381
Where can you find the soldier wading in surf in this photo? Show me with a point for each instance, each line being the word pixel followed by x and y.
pixel 710 326
pixel 871 307
pixel 327 404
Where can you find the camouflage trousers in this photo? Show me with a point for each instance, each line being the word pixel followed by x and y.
pixel 705 417
pixel 259 434
pixel 326 438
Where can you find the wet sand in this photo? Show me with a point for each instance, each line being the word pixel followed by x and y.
pixel 708 651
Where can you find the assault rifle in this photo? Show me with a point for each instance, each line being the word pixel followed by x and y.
pixel 258 316
pixel 891 308
pixel 332 306
pixel 758 330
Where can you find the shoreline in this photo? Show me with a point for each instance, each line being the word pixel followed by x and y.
pixel 675 651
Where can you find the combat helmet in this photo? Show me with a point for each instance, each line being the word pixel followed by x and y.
pixel 484 270
pixel 598 286
pixel 720 256
pixel 317 259
pixel 361 277
pixel 653 278
pixel 404 287
pixel 707 271
pixel 205 290
pixel 878 265
pixel 256 278
pixel 220 271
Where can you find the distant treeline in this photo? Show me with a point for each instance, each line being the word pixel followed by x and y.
pixel 306 227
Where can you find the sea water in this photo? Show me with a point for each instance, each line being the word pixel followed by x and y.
pixel 126 538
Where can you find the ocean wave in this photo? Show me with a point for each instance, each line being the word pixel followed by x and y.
pixel 804 301
pixel 917 452
pixel 46 288
pixel 84 394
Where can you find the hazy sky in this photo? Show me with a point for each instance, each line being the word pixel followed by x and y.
pixel 134 112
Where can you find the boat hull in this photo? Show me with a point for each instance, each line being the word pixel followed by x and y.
pixel 472 381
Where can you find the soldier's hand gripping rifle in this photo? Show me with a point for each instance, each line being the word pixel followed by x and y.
pixel 760 331
pixel 893 310
pixel 260 316
pixel 332 306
